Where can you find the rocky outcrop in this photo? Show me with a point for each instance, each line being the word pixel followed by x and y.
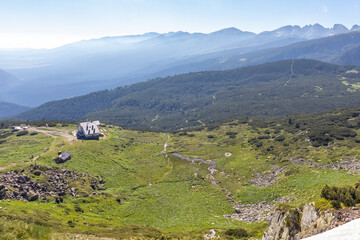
pixel 39 182
pixel 283 225
pixel 287 224
pixel 351 165
pixel 267 178
pixel 251 212
pixel 309 216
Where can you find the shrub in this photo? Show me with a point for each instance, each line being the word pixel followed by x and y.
pixel 232 133
pixel 292 171
pixel 336 204
pixel 280 138
pixel 22 133
pixel 237 232
pixel 33 133
pixel 349 196
pixel 78 208
pixel 264 137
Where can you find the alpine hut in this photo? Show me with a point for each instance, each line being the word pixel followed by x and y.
pixel 88 130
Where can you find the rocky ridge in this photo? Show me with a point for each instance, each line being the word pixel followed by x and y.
pixel 296 223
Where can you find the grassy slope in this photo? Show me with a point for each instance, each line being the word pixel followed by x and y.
pixel 168 196
pixel 22 149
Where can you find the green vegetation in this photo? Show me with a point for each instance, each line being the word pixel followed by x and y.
pixel 13 229
pixel 17 149
pixel 185 101
pixel 349 196
pixel 150 194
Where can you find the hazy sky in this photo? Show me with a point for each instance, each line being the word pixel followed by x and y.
pixel 50 23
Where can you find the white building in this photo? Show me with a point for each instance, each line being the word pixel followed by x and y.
pixel 88 130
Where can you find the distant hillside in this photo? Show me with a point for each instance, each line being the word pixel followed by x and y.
pixel 340 49
pixel 11 109
pixel 7 82
pixel 91 65
pixel 351 56
pixel 192 99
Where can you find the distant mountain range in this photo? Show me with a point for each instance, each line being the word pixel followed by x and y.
pixel 109 62
pixel 193 99
pixel 340 49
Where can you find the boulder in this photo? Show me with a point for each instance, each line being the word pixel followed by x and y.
pixel 210 235
pixel 309 216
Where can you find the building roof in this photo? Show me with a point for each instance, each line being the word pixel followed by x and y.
pixel 65 155
pixel 96 122
pixel 90 129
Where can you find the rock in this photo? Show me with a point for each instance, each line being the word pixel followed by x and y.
pixel 251 212
pixel 2 194
pixel 21 179
pixel 267 178
pixel 33 198
pixel 61 194
pixel 283 225
pixel 56 183
pixel 210 235
pixel 309 216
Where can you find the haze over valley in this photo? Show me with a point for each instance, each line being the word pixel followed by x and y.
pixel 38 76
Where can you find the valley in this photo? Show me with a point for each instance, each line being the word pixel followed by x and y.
pixel 157 184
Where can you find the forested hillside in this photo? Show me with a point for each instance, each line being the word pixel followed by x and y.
pixel 10 109
pixel 188 100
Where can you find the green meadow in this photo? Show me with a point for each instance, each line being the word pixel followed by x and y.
pixel 150 194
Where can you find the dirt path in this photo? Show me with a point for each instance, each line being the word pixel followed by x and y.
pixel 292 72
pixel 55 132
pixel 52 132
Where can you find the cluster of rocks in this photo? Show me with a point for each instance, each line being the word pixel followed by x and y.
pixel 252 212
pixel 267 178
pixel 211 235
pixel 351 165
pixel 54 182
pixel 297 224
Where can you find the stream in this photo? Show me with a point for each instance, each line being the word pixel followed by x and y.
pixel 197 161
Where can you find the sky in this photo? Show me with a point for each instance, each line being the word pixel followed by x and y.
pixel 52 23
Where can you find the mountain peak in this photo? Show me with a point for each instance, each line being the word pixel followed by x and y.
pixel 339 28
pixel 355 28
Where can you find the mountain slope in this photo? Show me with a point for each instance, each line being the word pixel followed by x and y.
pixel 192 99
pixel 109 62
pixel 336 49
pixel 7 82
pixel 11 109
pixel 351 56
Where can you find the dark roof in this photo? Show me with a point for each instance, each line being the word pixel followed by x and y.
pixel 65 155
